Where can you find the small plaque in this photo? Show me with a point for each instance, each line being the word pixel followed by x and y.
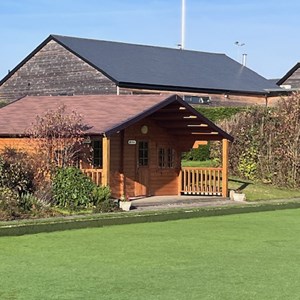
pixel 131 142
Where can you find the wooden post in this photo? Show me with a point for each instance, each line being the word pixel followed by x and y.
pixel 179 182
pixel 106 160
pixel 224 168
pixel 122 176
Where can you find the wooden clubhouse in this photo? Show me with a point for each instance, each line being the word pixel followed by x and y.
pixel 137 141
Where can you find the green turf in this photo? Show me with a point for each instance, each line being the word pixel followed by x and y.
pixel 256 191
pixel 246 256
pixel 200 164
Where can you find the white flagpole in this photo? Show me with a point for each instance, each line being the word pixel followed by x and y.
pixel 183 25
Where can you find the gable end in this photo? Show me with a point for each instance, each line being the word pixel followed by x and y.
pixel 53 70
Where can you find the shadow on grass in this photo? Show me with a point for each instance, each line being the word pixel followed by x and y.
pixel 243 185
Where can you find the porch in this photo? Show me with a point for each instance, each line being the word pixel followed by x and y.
pixel 175 202
pixel 191 181
pixel 144 158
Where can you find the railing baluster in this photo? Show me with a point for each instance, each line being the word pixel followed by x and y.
pixel 94 174
pixel 202 181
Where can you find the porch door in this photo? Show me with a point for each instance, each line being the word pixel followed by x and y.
pixel 142 171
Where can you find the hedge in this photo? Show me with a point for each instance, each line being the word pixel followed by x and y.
pixel 14 228
pixel 219 113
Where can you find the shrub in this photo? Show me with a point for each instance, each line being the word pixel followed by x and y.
pixel 219 113
pixel 28 202
pixel 100 194
pixel 267 143
pixel 9 206
pixel 108 205
pixel 71 188
pixel 44 192
pixel 16 171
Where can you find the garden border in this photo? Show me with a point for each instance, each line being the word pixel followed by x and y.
pixel 22 227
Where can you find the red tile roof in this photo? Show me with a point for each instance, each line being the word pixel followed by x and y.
pixel 103 114
pixel 100 112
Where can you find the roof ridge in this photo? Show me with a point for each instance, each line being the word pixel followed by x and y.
pixel 57 36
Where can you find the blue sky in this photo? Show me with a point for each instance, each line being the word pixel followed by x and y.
pixel 269 28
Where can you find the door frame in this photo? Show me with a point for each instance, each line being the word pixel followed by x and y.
pixel 142 172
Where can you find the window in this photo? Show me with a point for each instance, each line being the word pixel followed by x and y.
pixel 171 158
pixel 161 157
pixel 197 99
pixel 166 158
pixel 143 153
pixel 97 153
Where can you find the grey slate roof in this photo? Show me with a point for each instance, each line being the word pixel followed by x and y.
pixel 132 65
pixel 159 68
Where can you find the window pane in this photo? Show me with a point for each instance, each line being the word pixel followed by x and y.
pixel 170 158
pixel 97 153
pixel 143 153
pixel 161 157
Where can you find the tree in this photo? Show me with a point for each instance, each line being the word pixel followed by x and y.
pixel 56 138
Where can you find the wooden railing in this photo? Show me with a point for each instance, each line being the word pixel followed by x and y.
pixel 95 174
pixel 201 181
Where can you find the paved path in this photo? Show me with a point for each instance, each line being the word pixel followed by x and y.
pixel 167 202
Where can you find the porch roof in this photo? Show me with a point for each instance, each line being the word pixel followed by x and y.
pixel 108 114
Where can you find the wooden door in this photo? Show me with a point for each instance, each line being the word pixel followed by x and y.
pixel 142 170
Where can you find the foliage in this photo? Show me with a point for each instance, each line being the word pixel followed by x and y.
pixel 201 153
pixel 3 103
pixel 267 143
pixel 29 202
pixel 216 114
pixel 108 205
pixel 56 138
pixel 248 163
pixel 14 206
pixel 44 192
pixel 9 206
pixel 71 188
pixel 16 172
pixel 100 194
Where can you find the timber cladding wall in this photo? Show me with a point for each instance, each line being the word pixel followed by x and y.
pixel 159 181
pixel 55 71
pixel 293 80
pixel 21 144
pixel 216 99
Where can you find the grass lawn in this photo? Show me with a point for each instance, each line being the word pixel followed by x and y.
pixel 197 163
pixel 246 256
pixel 256 191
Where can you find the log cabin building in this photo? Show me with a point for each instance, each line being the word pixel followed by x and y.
pixel 63 65
pixel 136 144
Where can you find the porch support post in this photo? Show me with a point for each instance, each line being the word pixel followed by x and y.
pixel 122 175
pixel 106 160
pixel 180 181
pixel 224 168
